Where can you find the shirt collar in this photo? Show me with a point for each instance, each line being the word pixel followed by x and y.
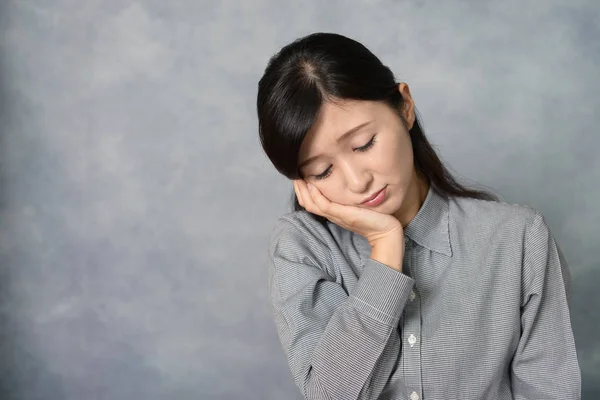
pixel 429 228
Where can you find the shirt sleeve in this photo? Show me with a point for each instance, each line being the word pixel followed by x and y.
pixel 335 342
pixel 545 364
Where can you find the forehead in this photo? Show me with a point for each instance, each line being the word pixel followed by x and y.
pixel 336 118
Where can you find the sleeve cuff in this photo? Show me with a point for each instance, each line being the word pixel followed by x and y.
pixel 381 292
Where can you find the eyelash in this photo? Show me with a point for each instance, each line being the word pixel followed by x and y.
pixel 361 149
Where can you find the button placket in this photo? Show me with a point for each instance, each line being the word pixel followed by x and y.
pixel 410 357
pixel 412 340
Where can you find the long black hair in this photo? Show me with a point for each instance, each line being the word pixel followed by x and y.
pixel 327 66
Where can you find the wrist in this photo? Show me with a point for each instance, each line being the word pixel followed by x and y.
pixel 389 252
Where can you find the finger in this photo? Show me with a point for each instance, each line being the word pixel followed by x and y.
pixel 309 204
pixel 317 203
pixel 321 202
pixel 338 213
pixel 299 194
pixel 310 195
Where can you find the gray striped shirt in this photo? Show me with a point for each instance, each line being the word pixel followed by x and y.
pixel 479 311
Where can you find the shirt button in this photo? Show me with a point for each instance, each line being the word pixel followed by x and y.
pixel 412 340
pixel 412 295
pixel 414 396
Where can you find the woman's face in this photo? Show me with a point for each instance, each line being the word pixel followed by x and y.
pixel 356 149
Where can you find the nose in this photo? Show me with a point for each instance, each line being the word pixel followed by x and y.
pixel 357 177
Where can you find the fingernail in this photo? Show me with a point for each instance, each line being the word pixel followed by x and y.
pixel 310 186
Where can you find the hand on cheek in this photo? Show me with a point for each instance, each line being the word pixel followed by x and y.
pixel 366 222
pixel 311 198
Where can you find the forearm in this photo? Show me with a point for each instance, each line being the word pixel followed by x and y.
pixel 389 251
pixel 358 343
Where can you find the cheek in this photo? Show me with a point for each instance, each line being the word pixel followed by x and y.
pixel 405 159
pixel 333 191
pixel 396 158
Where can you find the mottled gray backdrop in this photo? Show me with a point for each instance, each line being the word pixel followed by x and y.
pixel 136 204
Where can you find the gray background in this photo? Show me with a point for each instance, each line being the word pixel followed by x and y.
pixel 136 204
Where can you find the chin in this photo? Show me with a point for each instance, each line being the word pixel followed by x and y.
pixel 393 205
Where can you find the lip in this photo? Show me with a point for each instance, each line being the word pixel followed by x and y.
pixel 376 198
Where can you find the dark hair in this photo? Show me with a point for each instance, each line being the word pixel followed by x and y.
pixel 324 67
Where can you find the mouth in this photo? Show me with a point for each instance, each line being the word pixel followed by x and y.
pixel 376 198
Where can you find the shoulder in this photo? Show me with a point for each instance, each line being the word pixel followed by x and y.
pixel 300 234
pixel 513 227
pixel 513 230
pixel 494 216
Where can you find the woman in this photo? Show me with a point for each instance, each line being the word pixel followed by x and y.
pixel 391 280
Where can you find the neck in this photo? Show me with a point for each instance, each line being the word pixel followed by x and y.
pixel 416 195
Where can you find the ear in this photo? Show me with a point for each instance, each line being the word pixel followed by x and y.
pixel 408 106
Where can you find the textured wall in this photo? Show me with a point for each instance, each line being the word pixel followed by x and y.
pixel 136 205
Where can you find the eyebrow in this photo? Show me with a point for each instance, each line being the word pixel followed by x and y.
pixel 344 136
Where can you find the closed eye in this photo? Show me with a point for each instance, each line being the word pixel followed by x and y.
pixel 366 147
pixel 324 174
